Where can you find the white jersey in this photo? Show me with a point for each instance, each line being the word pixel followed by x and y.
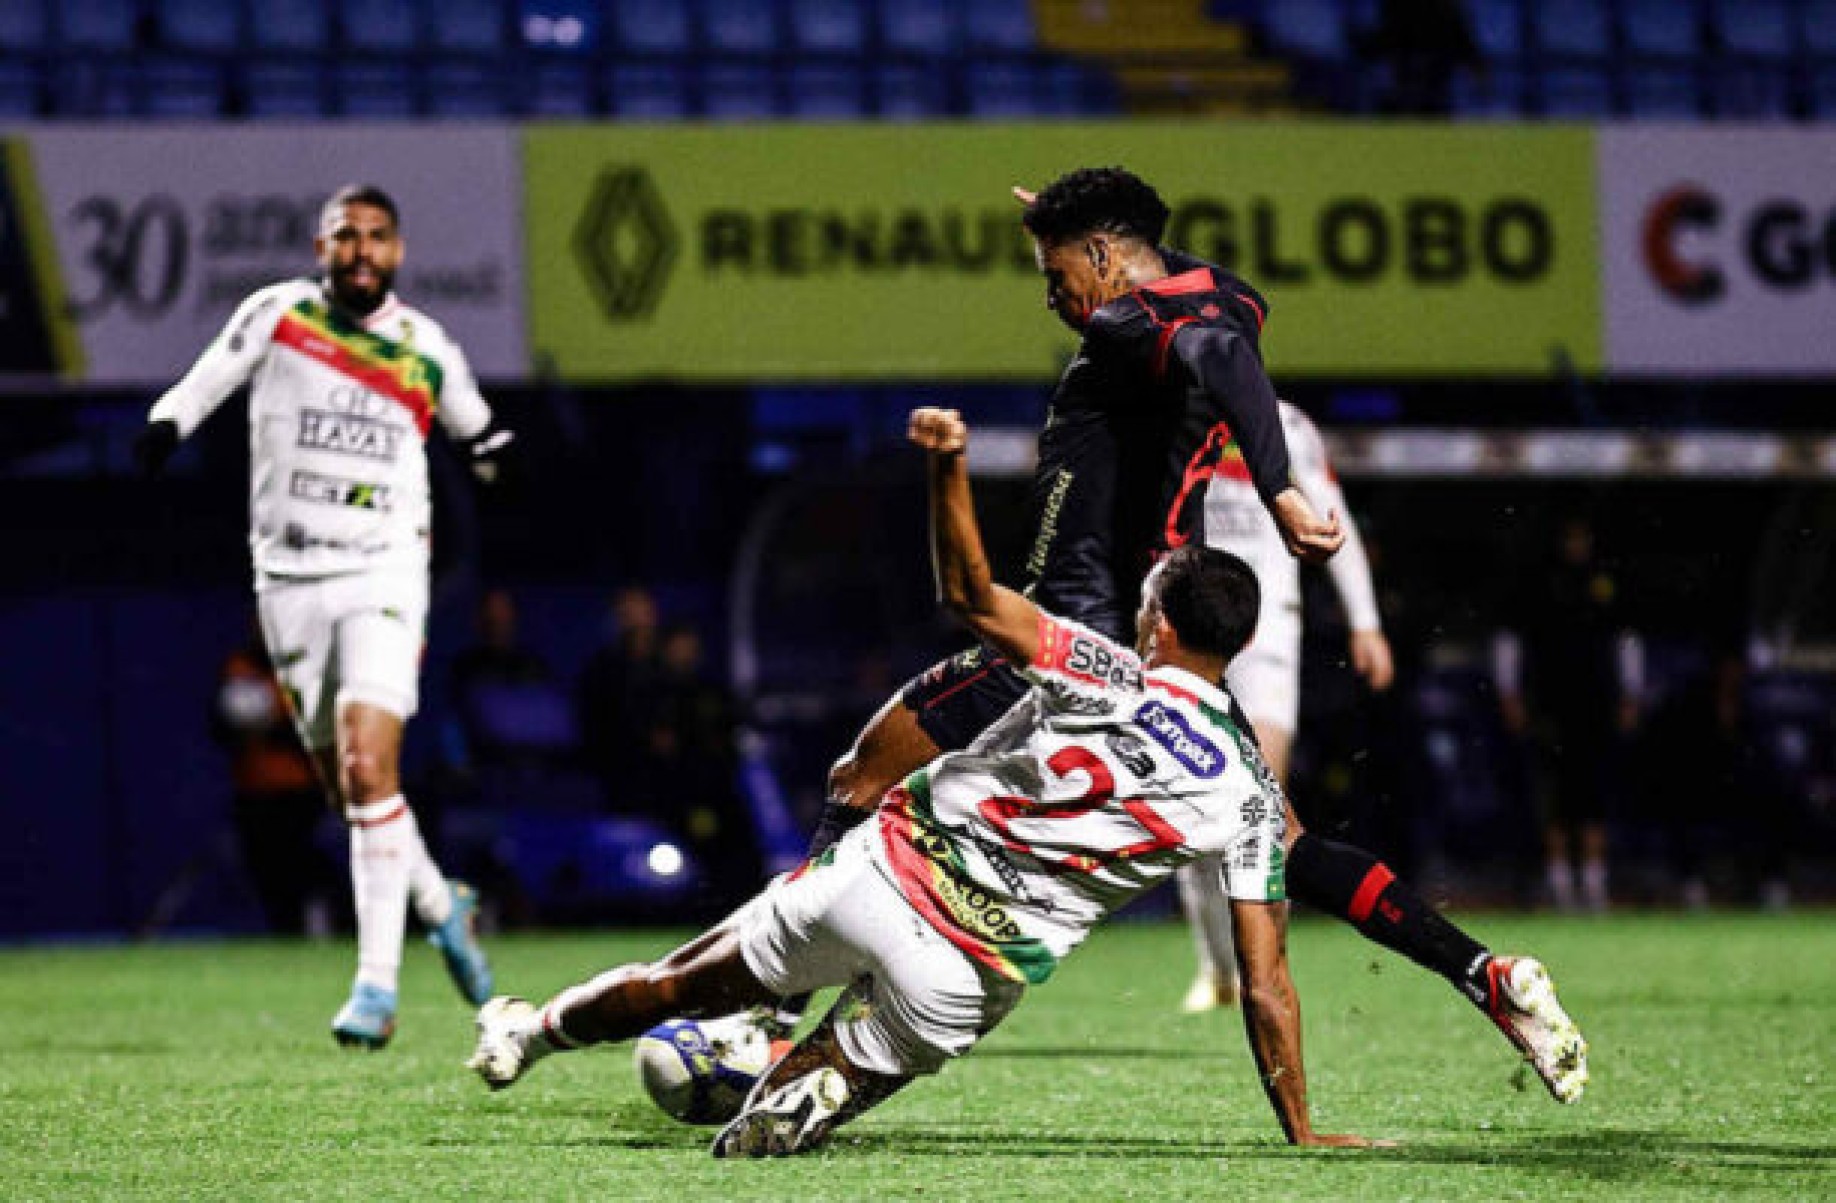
pixel 339 415
pixel 1095 787
pixel 1236 521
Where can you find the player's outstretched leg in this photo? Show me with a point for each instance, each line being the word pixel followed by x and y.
pixel 1354 885
pixel 810 1092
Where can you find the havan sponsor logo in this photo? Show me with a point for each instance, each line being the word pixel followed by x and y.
pixel 1166 728
pixel 347 434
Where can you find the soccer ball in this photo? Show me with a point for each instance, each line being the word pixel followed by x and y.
pixel 701 1072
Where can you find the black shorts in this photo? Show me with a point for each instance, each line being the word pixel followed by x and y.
pixel 957 699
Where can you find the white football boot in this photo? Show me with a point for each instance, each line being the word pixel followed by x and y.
pixel 791 1119
pixel 505 1049
pixel 1525 1008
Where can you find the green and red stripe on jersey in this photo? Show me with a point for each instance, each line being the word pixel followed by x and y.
pixel 929 872
pixel 384 366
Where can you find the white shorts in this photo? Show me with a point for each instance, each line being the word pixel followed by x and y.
pixel 843 922
pixel 1265 676
pixel 351 638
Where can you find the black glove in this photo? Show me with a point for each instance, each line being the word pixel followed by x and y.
pixel 492 455
pixel 154 445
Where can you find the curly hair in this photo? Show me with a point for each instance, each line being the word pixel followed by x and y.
pixel 1110 199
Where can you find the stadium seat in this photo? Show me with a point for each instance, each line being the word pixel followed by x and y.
pixel 1817 25
pixel 288 25
pixel 1313 29
pixel 375 90
pixel 652 26
pixel 1750 92
pixel 998 90
pixel 1822 92
pixel 21 90
pixel 1751 28
pixel 825 92
pixel 200 24
pixel 23 25
pixel 1498 27
pixel 1576 92
pixel 85 87
pixel 458 89
pixel 285 90
pixel 1074 90
pixel 1663 92
pixel 181 89
pixel 561 26
pixel 1670 29
pixel 1001 26
pixel 918 27
pixel 380 26
pixel 903 93
pixel 467 26
pixel 557 88
pixel 828 27
pixel 648 92
pixel 739 92
pixel 1571 28
pixel 1497 95
pixel 739 27
pixel 97 24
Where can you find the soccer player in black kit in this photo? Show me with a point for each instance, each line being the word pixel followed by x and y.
pixel 1168 371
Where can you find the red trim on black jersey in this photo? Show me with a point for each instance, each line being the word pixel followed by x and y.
pixel 1201 467
pixel 1166 342
pixel 1185 284
pixel 1261 317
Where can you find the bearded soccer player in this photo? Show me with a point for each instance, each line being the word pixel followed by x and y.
pixel 1166 393
pixel 347 384
pixel 989 866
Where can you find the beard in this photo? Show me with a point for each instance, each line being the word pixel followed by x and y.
pixel 360 299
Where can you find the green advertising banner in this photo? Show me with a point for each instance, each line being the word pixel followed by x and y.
pixel 891 252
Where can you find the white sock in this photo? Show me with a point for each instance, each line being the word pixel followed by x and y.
pixel 428 889
pixel 383 840
pixel 1201 896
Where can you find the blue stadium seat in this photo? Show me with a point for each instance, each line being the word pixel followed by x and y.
pixel 1498 27
pixel 825 92
pixel 380 26
pixel 557 88
pixel 288 25
pixel 97 24
pixel 1817 25
pixel 1822 92
pixel 181 89
pixel 1661 28
pixel 200 24
pixel 739 92
pixel 648 91
pixel 472 26
pixel 918 27
pixel 1004 26
pixel 998 90
pixel 653 26
pixel 1751 28
pixel 1663 92
pixel 828 27
pixel 1576 92
pixel 561 26
pixel 903 93
pixel 1313 29
pixel 1750 92
pixel 21 90
pixel 285 90
pixel 739 26
pixel 1571 28
pixel 86 87
pixel 23 25
pixel 459 89
pixel 1073 90
pixel 1497 95
pixel 375 90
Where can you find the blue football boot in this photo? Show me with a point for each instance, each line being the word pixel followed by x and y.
pixel 457 940
pixel 368 1019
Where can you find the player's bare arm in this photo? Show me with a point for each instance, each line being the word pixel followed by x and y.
pixel 1000 617
pixel 1271 1017
pixel 1309 537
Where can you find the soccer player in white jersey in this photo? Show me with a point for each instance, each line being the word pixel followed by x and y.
pixel 347 382
pixel 1265 678
pixel 988 866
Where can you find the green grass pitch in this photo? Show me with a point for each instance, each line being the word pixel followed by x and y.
pixel 205 1071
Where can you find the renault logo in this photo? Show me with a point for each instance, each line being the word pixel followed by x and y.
pixel 625 243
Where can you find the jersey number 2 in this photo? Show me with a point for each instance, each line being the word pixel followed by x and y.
pixel 1001 811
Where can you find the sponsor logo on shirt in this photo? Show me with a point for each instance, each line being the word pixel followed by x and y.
pixel 349 434
pixel 1168 729
pixel 1096 661
pixel 337 490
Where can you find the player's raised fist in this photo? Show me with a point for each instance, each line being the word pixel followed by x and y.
pixel 940 431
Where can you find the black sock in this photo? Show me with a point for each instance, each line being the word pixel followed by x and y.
pixel 1357 887
pixel 837 820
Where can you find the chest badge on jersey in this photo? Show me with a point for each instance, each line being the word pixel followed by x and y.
pixel 1170 730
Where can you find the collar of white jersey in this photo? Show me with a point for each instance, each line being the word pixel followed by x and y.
pixel 382 313
pixel 1188 686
